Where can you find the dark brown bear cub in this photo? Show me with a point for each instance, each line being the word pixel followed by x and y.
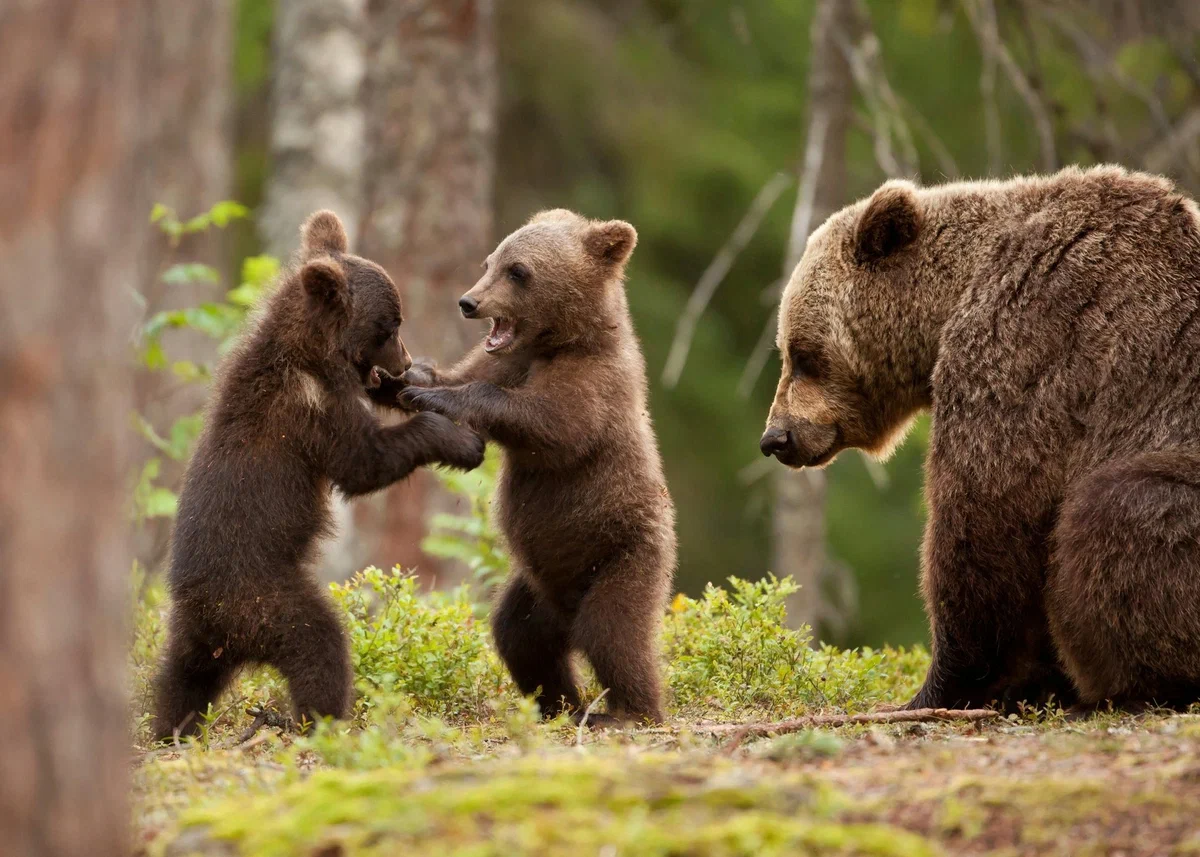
pixel 288 423
pixel 560 384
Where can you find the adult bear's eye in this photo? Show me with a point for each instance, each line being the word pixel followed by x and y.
pixel 518 273
pixel 807 364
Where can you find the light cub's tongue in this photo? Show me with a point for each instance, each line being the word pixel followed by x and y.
pixel 501 335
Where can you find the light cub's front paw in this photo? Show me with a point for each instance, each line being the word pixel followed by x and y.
pixel 435 399
pixel 421 373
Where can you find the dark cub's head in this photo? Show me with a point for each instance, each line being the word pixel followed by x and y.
pixel 353 300
pixel 550 281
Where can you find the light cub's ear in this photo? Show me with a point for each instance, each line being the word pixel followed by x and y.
pixel 890 222
pixel 323 232
pixel 327 288
pixel 611 242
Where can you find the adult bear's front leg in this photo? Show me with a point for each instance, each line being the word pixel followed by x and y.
pixel 983 575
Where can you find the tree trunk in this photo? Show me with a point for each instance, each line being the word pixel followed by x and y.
pixel 317 150
pixel 70 232
pixel 317 127
pixel 798 525
pixel 431 103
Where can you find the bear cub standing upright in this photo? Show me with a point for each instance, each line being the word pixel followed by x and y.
pixel 1052 326
pixel 288 422
pixel 560 383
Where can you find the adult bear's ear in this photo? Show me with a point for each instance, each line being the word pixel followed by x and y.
pixel 611 241
pixel 890 222
pixel 323 232
pixel 327 288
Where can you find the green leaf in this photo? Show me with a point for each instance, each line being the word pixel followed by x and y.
pixel 183 434
pixel 225 211
pixel 245 295
pixel 152 355
pixel 160 503
pixel 190 272
pixel 216 320
pixel 186 370
pixel 160 212
pixel 150 500
pixel 160 321
pixel 260 271
pixel 199 223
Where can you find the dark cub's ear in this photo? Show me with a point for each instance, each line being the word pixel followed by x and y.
pixel 890 222
pixel 611 241
pixel 327 288
pixel 323 233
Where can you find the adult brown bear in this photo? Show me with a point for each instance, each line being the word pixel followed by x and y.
pixel 1051 326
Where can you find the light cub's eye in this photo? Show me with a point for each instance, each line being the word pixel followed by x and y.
pixel 518 273
pixel 808 365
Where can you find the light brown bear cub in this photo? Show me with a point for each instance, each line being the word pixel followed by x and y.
pixel 560 384
pixel 1052 325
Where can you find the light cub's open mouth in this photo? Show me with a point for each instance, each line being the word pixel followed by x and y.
pixel 503 332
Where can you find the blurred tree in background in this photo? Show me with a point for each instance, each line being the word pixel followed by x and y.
pixel 698 122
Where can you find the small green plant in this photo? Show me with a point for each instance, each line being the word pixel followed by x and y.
pixel 732 650
pixel 430 647
pixel 469 535
pixel 220 320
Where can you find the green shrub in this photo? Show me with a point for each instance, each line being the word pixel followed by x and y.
pixel 731 651
pixel 221 321
pixel 469 534
pixel 420 656
pixel 430 647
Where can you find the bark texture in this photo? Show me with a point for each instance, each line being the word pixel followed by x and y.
pixel 69 237
pixel 431 107
pixel 318 127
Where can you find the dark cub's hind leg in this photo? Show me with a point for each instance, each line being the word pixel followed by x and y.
pixel 617 628
pixel 312 653
pixel 1123 595
pixel 534 643
pixel 191 677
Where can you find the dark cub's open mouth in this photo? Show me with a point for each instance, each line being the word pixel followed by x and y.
pixel 503 332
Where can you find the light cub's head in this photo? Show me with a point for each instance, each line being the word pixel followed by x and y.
pixel 546 282
pixel 837 387
pixel 353 300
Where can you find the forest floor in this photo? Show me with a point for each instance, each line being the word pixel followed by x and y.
pixel 1110 784
pixel 443 757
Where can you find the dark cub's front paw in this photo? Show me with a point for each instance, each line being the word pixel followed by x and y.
pixel 383 388
pixel 464 450
pixel 453 445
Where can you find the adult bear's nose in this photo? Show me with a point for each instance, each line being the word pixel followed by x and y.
pixel 468 305
pixel 774 441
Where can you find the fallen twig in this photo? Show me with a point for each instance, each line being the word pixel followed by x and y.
pixel 746 730
pixel 586 714
pixel 263 717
